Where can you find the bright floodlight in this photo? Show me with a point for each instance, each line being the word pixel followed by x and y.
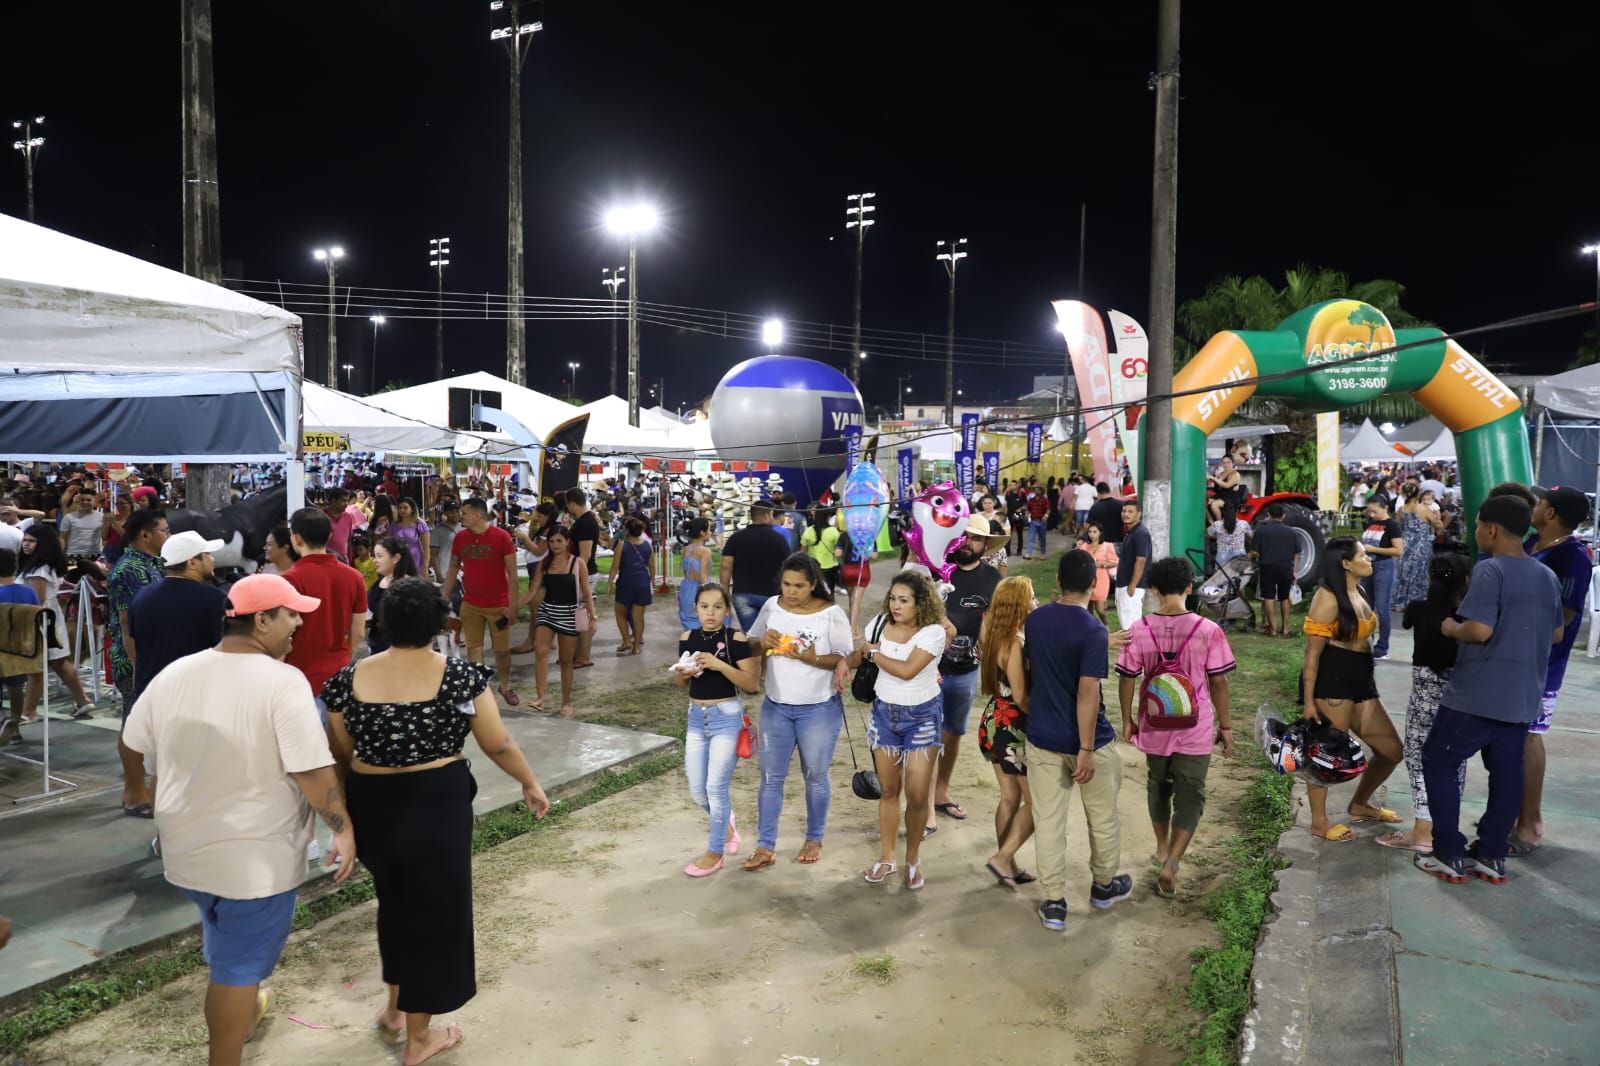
pixel 1591 249
pixel 863 355
pixel 319 255
pixel 639 218
pixel 772 332
pixel 378 320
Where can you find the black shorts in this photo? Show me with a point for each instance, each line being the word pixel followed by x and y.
pixel 1272 582
pixel 1343 674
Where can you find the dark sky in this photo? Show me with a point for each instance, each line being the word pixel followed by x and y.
pixel 1450 149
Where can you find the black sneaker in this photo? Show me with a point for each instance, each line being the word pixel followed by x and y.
pixel 1121 887
pixel 1490 870
pixel 1452 870
pixel 1053 913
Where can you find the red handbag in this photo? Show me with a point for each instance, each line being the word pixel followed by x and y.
pixel 747 739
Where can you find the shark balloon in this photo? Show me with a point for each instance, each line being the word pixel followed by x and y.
pixel 938 525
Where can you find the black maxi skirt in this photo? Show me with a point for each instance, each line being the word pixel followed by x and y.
pixel 414 833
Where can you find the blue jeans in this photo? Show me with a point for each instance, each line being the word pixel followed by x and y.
pixel 900 731
pixel 814 729
pixel 746 607
pixel 1380 590
pixel 709 759
pixel 1455 738
pixel 1036 531
pixel 958 692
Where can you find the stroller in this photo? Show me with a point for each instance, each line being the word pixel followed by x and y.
pixel 1222 594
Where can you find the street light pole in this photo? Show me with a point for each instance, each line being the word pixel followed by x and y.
pixel 372 378
pixel 29 147
pixel 1163 283
pixel 954 251
pixel 632 221
pixel 1594 250
pixel 349 375
pixel 438 259
pixel 900 390
pixel 328 257
pixel 856 218
pixel 612 279
pixel 518 37
pixel 572 380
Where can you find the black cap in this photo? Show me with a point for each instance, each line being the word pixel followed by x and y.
pixel 1570 505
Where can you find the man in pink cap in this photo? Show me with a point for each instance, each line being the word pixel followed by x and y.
pixel 244 763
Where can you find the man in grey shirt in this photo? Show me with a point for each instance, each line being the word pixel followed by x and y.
pixel 81 526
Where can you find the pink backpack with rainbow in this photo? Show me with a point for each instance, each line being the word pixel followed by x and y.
pixel 1166 692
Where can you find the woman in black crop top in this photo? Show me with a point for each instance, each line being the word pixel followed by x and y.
pixel 1433 655
pixel 397 722
pixel 563 605
pixel 721 664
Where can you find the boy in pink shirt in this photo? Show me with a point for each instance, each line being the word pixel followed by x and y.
pixel 1178 712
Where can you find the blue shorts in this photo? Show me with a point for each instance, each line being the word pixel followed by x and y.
pixel 243 937
pixel 958 692
pixel 14 682
pixel 900 731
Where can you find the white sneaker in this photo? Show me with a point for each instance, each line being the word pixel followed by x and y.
pixel 313 851
pixel 155 848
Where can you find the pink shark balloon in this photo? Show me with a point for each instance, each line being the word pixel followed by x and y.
pixel 938 525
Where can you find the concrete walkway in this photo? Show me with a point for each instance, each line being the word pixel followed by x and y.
pixel 1371 961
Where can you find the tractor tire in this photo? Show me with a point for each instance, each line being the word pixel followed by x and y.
pixel 1308 530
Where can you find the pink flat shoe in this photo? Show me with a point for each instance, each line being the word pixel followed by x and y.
pixel 734 840
pixel 695 871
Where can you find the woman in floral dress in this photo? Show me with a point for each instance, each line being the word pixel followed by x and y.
pixel 1002 730
pixel 1418 526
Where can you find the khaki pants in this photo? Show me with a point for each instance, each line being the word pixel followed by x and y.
pixel 1050 782
pixel 475 621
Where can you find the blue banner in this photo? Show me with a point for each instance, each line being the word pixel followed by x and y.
pixel 852 447
pixel 966 461
pixel 969 432
pixel 903 489
pixel 991 471
pixel 1035 441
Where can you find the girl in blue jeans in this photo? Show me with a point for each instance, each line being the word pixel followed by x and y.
pixel 723 665
pixel 905 641
pixel 806 637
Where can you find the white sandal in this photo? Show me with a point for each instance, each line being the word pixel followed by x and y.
pixel 879 873
pixel 914 879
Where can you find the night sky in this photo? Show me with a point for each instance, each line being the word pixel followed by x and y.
pixel 1451 150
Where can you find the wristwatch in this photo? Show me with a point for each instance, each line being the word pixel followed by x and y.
pixel 868 656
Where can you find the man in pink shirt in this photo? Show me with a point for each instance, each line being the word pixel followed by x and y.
pixel 335 504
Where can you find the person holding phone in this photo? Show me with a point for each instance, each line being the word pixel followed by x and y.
pixel 485 559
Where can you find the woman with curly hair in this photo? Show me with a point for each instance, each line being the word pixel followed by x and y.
pixel 1003 729
pixel 905 641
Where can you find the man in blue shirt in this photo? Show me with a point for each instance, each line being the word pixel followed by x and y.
pixel 1068 652
pixel 1560 510
pixel 1506 625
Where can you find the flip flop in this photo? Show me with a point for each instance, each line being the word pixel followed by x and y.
pixel 758 861
pixel 566 712
pixel 453 1036
pixel 1025 878
pixel 810 852
pixel 579 664
pixel 140 810
pixel 1384 815
pixel 1337 835
pixel 1171 893
pixel 510 696
pixel 950 809
pixel 263 1003
pixel 1007 880
pixel 1400 842
pixel 1521 849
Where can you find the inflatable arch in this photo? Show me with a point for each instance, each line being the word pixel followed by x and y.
pixel 1485 416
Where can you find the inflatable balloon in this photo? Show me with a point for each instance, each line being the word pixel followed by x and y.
pixel 789 412
pixel 938 525
pixel 865 501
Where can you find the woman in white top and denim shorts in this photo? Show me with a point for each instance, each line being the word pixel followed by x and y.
pixel 906 715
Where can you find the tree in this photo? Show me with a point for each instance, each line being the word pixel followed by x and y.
pixel 1366 316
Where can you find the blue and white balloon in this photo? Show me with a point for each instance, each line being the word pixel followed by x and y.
pixel 790 412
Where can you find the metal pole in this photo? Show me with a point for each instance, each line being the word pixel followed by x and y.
pixel 613 389
pixel 855 330
pixel 1083 240
pixel 333 331
pixel 514 220
pixel 372 371
pixel 950 353
pixel 633 329
pixel 1163 281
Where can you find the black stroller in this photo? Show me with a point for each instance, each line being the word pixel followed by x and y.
pixel 1221 595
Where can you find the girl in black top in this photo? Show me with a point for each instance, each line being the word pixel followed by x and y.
pixel 560 592
pixel 1433 655
pixel 394 562
pixel 724 664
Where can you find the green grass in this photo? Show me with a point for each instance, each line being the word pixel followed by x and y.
pixel 880 968
pixel 121 979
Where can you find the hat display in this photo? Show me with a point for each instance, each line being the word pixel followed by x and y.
pixel 181 547
pixel 263 592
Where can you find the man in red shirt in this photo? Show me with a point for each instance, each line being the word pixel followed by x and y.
pixel 328 637
pixel 341 521
pixel 1038 506
pixel 486 560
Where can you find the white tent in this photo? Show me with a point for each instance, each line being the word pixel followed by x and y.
pixel 1576 392
pixel 1368 446
pixel 1417 435
pixel 429 405
pixel 609 430
pixel 371 428
pixel 1442 448
pixel 113 358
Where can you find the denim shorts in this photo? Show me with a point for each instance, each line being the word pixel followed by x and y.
pixel 243 937
pixel 900 730
pixel 958 692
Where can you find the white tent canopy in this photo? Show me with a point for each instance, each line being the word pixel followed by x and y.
pixel 114 358
pixel 1368 446
pixel 429 405
pixel 609 430
pixel 1442 449
pixel 1575 393
pixel 371 428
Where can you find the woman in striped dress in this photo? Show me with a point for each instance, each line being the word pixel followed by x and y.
pixel 563 607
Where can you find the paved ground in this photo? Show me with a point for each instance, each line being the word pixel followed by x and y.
pixel 1374 962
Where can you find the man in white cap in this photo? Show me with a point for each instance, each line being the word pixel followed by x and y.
pixel 244 762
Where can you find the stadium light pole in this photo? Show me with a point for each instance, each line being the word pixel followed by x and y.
pixel 438 259
pixel 518 38
pixel 612 278
pixel 858 217
pixel 631 222
pixel 951 253
pixel 29 147
pixel 329 257
pixel 572 380
pixel 372 378
pixel 1588 249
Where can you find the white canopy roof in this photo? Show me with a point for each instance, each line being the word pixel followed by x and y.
pixel 1576 392
pixel 1443 447
pixel 370 426
pixel 66 304
pixel 1368 446
pixel 655 435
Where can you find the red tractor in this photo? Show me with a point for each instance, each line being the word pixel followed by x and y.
pixel 1300 509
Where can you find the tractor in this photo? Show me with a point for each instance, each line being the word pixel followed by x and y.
pixel 1301 513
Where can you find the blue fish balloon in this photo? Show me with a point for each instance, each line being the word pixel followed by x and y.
pixel 866 507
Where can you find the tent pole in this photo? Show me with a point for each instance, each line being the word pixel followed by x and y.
pixel 1538 445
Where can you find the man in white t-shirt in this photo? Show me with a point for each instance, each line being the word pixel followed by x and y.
pixel 444 535
pixel 80 527
pixel 244 762
pixel 1082 500
pixel 1430 483
pixel 1359 491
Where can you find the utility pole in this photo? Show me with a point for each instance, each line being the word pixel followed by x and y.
pixel 372 371
pixel 518 37
pixel 207 486
pixel 1066 372
pixel 612 278
pixel 857 218
pixel 954 251
pixel 438 259
pixel 1163 281
pixel 29 147
pixel 329 257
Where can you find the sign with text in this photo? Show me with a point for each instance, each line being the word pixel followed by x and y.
pixel 906 467
pixel 852 446
pixel 324 442
pixel 991 469
pixel 966 463
pixel 969 431
pixel 1035 441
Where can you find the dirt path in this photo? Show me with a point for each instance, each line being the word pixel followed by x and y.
pixel 594 948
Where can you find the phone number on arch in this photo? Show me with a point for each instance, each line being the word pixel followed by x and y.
pixel 1335 384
